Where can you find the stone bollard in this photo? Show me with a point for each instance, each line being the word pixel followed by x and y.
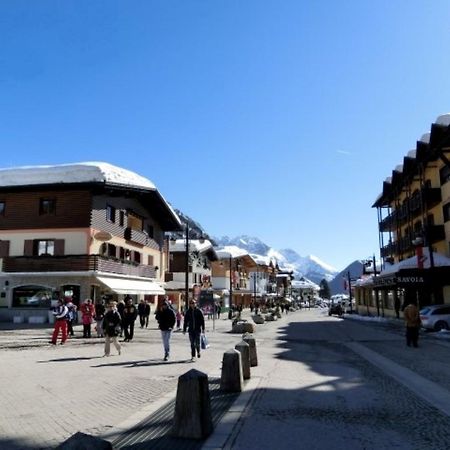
pixel 82 441
pixel 252 344
pixel 232 378
pixel 244 349
pixel 192 417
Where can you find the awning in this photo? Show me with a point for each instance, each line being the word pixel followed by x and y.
pixel 129 286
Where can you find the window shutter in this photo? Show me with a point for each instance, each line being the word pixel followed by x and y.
pixel 59 247
pixel 4 249
pixel 28 247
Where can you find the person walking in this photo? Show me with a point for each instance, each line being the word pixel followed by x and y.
pixel 60 313
pixel 111 328
pixel 99 315
pixel 71 316
pixel 120 308
pixel 194 322
pixel 178 317
pixel 141 313
pixel 412 322
pixel 87 316
pixel 147 313
pixel 128 319
pixel 165 317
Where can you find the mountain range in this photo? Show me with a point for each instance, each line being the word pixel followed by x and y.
pixel 309 267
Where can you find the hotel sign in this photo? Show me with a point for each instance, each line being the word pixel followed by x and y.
pixel 403 280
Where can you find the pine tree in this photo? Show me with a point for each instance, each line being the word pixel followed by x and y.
pixel 324 291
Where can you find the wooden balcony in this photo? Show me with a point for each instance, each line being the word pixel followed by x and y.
pixel 76 263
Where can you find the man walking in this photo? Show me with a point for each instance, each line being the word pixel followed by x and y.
pixel 128 318
pixel 194 322
pixel 412 322
pixel 60 313
pixel 165 316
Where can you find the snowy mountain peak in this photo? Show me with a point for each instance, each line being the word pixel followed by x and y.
pixel 326 266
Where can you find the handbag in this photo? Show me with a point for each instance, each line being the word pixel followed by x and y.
pixel 203 341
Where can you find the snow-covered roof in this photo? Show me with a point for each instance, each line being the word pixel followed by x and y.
pixel 412 153
pixel 439 260
pixel 83 172
pixel 399 168
pixel 231 250
pixel 425 138
pixel 194 245
pixel 304 284
pixel 444 119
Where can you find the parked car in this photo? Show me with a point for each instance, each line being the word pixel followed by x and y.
pixel 436 317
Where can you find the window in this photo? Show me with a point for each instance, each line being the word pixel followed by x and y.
pixel 44 247
pixel 151 231
pixel 150 259
pixel 47 206
pixel 135 222
pixel 121 218
pixel 137 257
pixel 2 208
pixel 110 213
pixel 32 297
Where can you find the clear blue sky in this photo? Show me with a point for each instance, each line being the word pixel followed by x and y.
pixel 277 119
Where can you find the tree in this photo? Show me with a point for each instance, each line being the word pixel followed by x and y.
pixel 324 291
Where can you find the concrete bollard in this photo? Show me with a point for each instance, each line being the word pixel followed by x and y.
pixel 192 417
pixel 82 441
pixel 232 378
pixel 252 344
pixel 244 349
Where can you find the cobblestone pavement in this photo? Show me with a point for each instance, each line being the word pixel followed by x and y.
pixel 318 394
pixel 308 388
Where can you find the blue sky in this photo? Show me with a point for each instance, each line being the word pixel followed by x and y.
pixel 277 119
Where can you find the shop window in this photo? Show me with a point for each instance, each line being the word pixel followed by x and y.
pixel 32 296
pixel 2 208
pixel 47 206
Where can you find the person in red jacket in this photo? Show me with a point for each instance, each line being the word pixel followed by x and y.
pixel 87 316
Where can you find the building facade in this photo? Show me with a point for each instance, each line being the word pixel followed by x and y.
pixel 87 230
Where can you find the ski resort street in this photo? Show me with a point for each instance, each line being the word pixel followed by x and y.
pixel 321 382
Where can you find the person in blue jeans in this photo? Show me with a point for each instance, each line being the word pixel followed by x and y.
pixel 194 322
pixel 166 321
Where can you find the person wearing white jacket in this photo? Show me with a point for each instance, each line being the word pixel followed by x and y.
pixel 60 313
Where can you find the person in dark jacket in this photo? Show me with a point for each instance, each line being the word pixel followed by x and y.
pixel 166 320
pixel 128 319
pixel 147 312
pixel 111 327
pixel 141 312
pixel 194 322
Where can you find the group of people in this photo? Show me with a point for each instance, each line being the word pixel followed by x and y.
pixel 117 319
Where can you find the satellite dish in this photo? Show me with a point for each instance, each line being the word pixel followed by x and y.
pixel 103 236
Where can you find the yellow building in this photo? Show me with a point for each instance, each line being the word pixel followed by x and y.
pixel 414 230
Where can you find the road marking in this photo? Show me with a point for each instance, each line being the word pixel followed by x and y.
pixel 429 391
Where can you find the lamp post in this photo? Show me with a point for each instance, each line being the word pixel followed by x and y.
pixel 186 275
pixel 230 313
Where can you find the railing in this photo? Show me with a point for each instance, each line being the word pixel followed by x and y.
pixel 76 263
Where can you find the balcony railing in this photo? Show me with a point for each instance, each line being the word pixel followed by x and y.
pixel 76 263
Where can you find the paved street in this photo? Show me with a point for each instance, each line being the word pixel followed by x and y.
pixel 321 382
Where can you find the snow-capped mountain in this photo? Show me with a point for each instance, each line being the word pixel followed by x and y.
pixel 309 267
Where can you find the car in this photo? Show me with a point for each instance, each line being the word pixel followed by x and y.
pixel 435 317
pixel 335 308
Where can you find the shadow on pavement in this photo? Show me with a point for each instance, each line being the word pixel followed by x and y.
pixel 143 363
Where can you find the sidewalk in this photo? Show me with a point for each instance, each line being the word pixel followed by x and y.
pixel 51 392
